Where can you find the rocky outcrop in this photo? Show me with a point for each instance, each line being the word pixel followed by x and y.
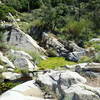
pixel 16 37
pixel 66 78
pixel 64 85
pixel 69 86
pixel 69 50
pixel 51 42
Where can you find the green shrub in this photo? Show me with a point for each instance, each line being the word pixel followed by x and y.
pixel 4 10
pixel 54 62
pixel 3 46
pixel 22 71
pixel 11 57
pixel 21 5
pixel 96 45
pixel 85 59
pixel 1 62
pixel 6 86
pixel 1 36
pixel 52 53
pixel 97 58
pixel 35 55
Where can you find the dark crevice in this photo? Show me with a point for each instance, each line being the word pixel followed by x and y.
pixel 9 35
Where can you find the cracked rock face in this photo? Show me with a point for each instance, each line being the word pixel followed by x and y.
pixel 68 85
pixel 52 42
pixel 16 37
pixel 81 92
pixel 66 78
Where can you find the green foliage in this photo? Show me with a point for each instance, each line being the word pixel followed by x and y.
pixel 35 55
pixel 52 53
pixel 11 57
pixel 72 19
pixel 85 59
pixel 1 62
pixel 3 46
pixel 69 17
pixel 54 62
pixel 77 30
pixel 96 45
pixel 22 71
pixel 97 58
pixel 6 86
pixel 1 36
pixel 20 5
pixel 4 10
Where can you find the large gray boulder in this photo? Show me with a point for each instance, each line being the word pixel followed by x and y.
pixel 16 37
pixel 24 63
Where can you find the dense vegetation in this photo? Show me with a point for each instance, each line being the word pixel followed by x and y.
pixel 69 19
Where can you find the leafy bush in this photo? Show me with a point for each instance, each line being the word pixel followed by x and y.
pixel 1 36
pixel 6 86
pixel 20 5
pixel 22 71
pixel 1 63
pixel 96 45
pixel 52 53
pixel 4 10
pixel 54 62
pixel 3 46
pixel 85 59
pixel 35 55
pixel 97 58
